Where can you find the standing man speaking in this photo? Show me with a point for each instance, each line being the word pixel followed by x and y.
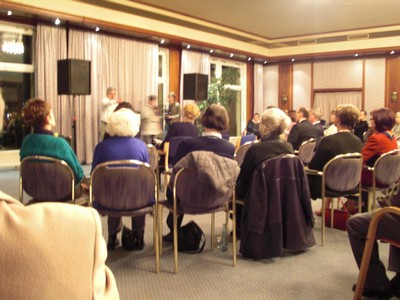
pixel 108 105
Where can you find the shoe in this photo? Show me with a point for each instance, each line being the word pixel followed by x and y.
pixel 139 243
pixel 375 293
pixel 168 238
pixel 395 283
pixel 112 242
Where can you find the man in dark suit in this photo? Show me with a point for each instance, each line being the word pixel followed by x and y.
pixel 315 119
pixel 303 130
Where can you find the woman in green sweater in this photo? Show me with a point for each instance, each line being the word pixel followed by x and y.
pixel 39 115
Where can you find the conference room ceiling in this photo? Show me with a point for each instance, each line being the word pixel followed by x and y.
pixel 283 19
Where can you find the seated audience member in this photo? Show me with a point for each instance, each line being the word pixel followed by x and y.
pixel 273 123
pixel 315 119
pixel 303 130
pixel 127 105
pixel 39 115
pixel 62 256
pixel 344 141
pixel 380 142
pixel 214 120
pixel 377 284
pixel 121 145
pixel 396 127
pixel 185 128
pixel 253 124
pixel 332 129
pixel 361 125
pixel 292 115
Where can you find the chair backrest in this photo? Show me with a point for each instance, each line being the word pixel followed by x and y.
pixel 387 168
pixel 214 184
pixel 247 138
pixel 307 150
pixel 343 172
pixel 241 151
pixel 174 143
pixel 153 157
pixel 46 178
pixel 123 185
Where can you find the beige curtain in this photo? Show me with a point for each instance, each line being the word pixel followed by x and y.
pixel 259 105
pixel 193 62
pixel 129 66
pixel 329 101
pixel 51 46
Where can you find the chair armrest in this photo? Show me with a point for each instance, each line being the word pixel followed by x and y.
pixel 313 172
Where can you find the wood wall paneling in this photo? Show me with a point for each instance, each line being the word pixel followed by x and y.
pixel 285 101
pixel 175 70
pixel 250 92
pixel 392 83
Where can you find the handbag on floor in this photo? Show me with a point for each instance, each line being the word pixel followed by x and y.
pixel 340 216
pixel 191 238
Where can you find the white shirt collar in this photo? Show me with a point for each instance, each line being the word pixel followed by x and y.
pixel 212 133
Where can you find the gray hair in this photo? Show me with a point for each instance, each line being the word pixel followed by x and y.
pixel 111 89
pixel 317 112
pixel 273 122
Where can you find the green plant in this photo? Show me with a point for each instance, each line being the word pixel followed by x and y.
pixel 219 91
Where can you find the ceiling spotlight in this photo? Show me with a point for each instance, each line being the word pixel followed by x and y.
pixel 188 47
pixel 356 55
pixel 392 52
pixel 265 62
pixel 9 13
pixel 231 55
pixel 162 41
pixel 97 29
pixel 211 51
pixel 293 59
pixel 57 21
pixel 249 59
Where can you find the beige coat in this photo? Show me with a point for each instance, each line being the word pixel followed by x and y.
pixel 150 122
pixel 52 251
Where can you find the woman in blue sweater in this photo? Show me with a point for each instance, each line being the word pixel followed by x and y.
pixel 121 145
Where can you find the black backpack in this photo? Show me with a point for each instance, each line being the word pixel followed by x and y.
pixel 191 238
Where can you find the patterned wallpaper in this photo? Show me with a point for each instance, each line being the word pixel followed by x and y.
pixel 338 74
pixel 374 92
pixel 301 85
pixel 270 86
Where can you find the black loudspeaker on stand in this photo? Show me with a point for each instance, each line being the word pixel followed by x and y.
pixel 73 78
pixel 195 86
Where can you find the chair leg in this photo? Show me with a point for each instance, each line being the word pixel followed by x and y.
pixel 323 221
pixel 333 209
pixel 156 240
pixel 212 231
pixel 370 201
pixel 160 228
pixel 234 232
pixel 175 243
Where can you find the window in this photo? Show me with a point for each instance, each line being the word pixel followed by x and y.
pixel 233 74
pixel 16 82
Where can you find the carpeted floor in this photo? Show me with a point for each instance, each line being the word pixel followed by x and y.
pixel 320 273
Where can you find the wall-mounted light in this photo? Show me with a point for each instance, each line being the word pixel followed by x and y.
pixel 284 98
pixel 393 96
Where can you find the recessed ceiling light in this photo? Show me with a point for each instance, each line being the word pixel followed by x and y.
pixel 211 51
pixel 392 52
pixel 293 59
pixel 97 29
pixel 249 59
pixel 9 13
pixel 265 62
pixel 162 41
pixel 188 47
pixel 356 55
pixel 57 21
pixel 231 55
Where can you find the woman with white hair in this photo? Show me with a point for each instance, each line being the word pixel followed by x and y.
pixel 274 122
pixel 121 145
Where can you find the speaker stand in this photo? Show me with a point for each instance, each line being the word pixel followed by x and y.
pixel 73 124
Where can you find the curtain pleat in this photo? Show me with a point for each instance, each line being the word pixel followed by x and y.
pixel 329 101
